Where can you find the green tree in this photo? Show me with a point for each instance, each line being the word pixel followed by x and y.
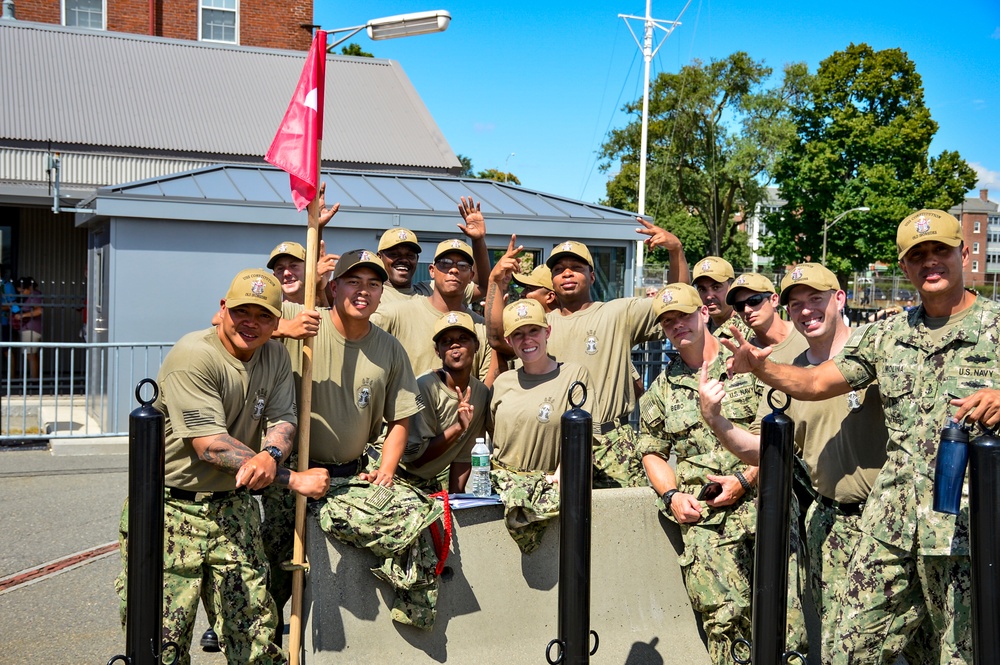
pixel 355 49
pixel 714 132
pixel 467 170
pixel 498 176
pixel 862 139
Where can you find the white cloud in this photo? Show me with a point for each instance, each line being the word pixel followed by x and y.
pixel 987 179
pixel 483 127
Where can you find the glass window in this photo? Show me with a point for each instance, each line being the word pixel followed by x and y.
pixel 975 227
pixel 975 266
pixel 219 21
pixel 84 13
pixel 975 248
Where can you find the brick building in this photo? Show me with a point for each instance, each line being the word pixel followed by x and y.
pixel 283 24
pixel 980 220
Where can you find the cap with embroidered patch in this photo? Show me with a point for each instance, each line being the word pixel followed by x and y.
pixel 571 248
pixel 540 278
pixel 454 320
pixel 927 225
pixel 398 236
pixel 292 249
pixel 255 287
pixel 359 258
pixel 525 312
pixel 813 275
pixel 713 267
pixel 676 297
pixel 753 281
pixel 453 245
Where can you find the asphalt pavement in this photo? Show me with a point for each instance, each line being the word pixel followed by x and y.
pixel 50 509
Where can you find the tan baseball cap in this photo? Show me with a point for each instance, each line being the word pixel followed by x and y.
pixel 713 267
pixel 359 258
pixel 753 281
pixel 676 297
pixel 453 245
pixel 520 313
pixel 573 248
pixel 255 287
pixel 398 236
pixel 293 249
pixel 451 320
pixel 540 278
pixel 927 225
pixel 813 275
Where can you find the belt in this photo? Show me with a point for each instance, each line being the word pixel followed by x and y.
pixel 201 497
pixel 603 428
pixel 848 509
pixel 345 470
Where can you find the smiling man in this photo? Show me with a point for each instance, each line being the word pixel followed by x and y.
pixel 911 563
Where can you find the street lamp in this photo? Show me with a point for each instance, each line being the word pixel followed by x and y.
pixel 505 162
pixel 826 227
pixel 401 25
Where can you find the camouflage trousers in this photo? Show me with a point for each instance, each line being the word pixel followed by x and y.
pixel 616 461
pixel 391 522
pixel 893 596
pixel 212 552
pixel 530 502
pixel 278 536
pixel 717 568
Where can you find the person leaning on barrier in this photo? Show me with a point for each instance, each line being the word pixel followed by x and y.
pixel 361 378
pixel 527 408
pixel 712 277
pixel 599 337
pixel 933 365
pixel 228 399
pixel 710 495
pixel 456 410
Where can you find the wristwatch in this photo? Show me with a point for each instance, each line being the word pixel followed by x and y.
pixel 274 453
pixel 668 496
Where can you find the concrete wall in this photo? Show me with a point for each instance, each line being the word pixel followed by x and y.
pixel 497 605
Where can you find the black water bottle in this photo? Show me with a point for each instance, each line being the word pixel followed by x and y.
pixel 949 469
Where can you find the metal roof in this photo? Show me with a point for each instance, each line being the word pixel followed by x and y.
pixel 138 93
pixel 266 188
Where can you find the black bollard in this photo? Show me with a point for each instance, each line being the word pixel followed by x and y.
pixel 144 620
pixel 770 583
pixel 984 535
pixel 576 461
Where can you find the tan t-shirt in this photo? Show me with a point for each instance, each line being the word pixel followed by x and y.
pixel 205 391
pixel 527 415
pixel 412 323
pixel 600 339
pixel 391 294
pixel 356 384
pixel 440 412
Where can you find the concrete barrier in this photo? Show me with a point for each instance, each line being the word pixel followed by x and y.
pixel 497 605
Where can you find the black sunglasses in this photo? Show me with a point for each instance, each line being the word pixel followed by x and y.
pixel 447 264
pixel 753 301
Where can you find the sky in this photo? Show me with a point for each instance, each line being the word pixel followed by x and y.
pixel 534 87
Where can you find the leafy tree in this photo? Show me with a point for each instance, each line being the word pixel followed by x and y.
pixel 467 170
pixel 498 176
pixel 714 133
pixel 862 139
pixel 355 49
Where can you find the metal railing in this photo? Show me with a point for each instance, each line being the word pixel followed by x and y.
pixel 82 389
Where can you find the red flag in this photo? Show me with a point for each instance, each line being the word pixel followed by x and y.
pixel 294 146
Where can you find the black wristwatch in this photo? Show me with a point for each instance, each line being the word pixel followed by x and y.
pixel 668 496
pixel 274 453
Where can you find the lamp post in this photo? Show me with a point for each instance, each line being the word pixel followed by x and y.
pixel 505 162
pixel 401 25
pixel 826 227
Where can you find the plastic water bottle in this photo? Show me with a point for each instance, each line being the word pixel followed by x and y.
pixel 949 468
pixel 479 479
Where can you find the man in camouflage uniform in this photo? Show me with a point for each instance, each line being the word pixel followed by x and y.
pixel 599 337
pixel 228 399
pixel 362 378
pixel 718 530
pixel 712 277
pixel 934 365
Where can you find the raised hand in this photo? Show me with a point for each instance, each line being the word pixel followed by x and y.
pixel 475 224
pixel 465 409
pixel 507 265
pixel 325 214
pixel 711 392
pixel 657 237
pixel 746 357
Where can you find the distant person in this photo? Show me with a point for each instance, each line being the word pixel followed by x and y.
pixel 8 307
pixel 651 291
pixel 29 322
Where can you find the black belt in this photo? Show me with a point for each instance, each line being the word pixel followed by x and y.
pixel 610 426
pixel 200 497
pixel 345 470
pixel 848 509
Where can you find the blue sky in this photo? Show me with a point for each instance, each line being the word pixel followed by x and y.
pixel 546 80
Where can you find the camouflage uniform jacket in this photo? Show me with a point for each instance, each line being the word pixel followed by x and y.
pixel 917 379
pixel 723 331
pixel 671 422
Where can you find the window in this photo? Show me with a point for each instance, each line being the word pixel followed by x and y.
pixel 84 13
pixel 975 248
pixel 975 227
pixel 975 266
pixel 219 21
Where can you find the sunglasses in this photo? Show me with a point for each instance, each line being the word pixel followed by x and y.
pixel 447 264
pixel 753 301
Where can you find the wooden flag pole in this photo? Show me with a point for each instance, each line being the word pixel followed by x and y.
pixel 299 564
